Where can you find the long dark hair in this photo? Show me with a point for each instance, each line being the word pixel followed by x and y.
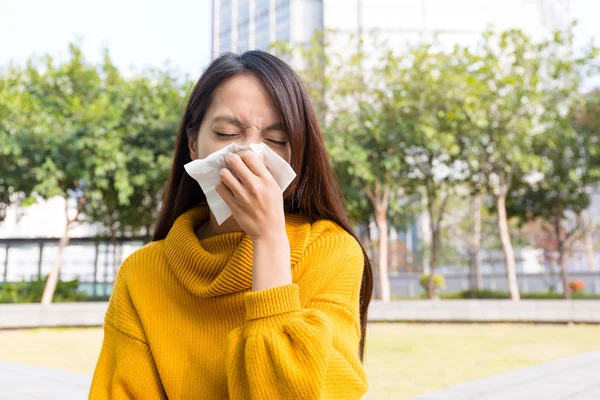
pixel 315 192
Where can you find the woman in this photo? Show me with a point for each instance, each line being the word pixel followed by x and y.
pixel 272 304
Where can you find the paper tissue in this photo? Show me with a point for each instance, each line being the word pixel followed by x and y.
pixel 206 173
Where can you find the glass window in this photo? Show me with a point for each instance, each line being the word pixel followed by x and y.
pixel 243 26
pixel 225 26
pixel 282 20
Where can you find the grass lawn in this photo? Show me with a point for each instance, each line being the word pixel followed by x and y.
pixel 405 360
pixel 402 360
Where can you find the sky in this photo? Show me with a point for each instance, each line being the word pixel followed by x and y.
pixel 138 34
pixel 141 34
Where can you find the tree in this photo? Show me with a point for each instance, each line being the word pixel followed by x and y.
pixel 586 120
pixel 70 142
pixel 365 137
pixel 149 107
pixel 559 189
pixel 501 112
pixel 431 91
pixel 98 141
pixel 16 180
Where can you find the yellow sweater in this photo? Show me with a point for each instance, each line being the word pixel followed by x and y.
pixel 184 323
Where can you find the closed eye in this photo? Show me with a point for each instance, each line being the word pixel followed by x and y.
pixel 277 142
pixel 225 135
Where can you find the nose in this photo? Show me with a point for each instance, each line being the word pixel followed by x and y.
pixel 251 136
pixel 243 151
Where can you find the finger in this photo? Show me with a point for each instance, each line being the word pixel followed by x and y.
pixel 225 194
pixel 255 164
pixel 231 182
pixel 241 168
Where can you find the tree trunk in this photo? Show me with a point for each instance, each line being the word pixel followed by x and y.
pixel 53 276
pixel 409 246
pixel 114 245
pixel 589 242
pixel 381 219
pixel 511 268
pixel 476 243
pixel 434 248
pixel 433 262
pixel 561 259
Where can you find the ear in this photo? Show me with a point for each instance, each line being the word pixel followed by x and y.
pixel 192 147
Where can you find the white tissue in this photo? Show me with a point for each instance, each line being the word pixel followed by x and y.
pixel 206 173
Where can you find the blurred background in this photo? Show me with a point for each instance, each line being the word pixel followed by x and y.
pixel 465 135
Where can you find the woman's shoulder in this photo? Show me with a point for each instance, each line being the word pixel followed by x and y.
pixel 131 289
pixel 333 257
pixel 332 237
pixel 144 258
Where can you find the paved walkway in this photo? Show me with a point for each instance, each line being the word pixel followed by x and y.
pixel 28 382
pixel 572 378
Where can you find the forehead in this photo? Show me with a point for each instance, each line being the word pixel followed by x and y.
pixel 244 96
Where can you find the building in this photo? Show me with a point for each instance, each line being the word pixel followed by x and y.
pixel 239 25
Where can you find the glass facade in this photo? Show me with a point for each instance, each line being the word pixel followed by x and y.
pixel 243 25
pixel 225 26
pixel 282 20
pixel 261 25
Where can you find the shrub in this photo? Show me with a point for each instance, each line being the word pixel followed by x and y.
pixel 438 282
pixel 576 286
pixel 480 294
pixel 492 294
pixel 31 291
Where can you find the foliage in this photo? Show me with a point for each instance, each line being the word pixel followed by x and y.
pixel 31 291
pixel 438 280
pixel 85 133
pixel 494 294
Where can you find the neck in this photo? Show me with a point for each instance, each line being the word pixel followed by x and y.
pixel 212 228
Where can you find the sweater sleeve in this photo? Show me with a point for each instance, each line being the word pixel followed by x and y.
pixel 126 367
pixel 287 351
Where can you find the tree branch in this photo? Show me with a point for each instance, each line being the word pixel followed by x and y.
pixel 370 195
pixel 441 209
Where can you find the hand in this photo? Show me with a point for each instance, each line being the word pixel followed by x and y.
pixel 255 200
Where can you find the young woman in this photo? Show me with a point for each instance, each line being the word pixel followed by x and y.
pixel 271 304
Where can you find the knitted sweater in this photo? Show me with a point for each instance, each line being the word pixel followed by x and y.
pixel 184 323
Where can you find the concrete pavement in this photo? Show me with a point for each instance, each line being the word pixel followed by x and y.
pixel 571 378
pixel 28 382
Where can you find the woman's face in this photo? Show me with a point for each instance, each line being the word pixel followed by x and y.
pixel 242 112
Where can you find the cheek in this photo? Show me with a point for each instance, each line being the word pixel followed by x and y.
pixel 207 145
pixel 285 153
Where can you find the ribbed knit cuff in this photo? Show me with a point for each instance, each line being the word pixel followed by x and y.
pixel 272 301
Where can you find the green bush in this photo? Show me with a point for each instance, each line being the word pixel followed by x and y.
pixel 481 294
pixel 31 291
pixel 556 295
pixel 494 294
pixel 438 282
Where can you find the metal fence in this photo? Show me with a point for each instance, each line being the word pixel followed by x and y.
pixel 95 261
pixel 92 260
pixel 407 285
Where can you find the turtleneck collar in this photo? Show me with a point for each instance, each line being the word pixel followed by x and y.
pixel 221 264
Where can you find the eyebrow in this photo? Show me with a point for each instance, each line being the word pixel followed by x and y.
pixel 277 126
